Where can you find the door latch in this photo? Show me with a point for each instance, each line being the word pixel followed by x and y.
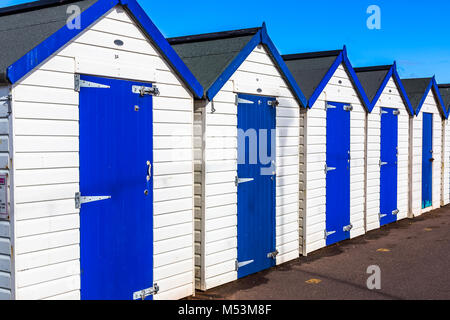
pixel 79 200
pixel 142 90
pixel 274 103
pixel 348 108
pixel 395 212
pixel 273 255
pixel 243 264
pixel 143 294
pixel 347 228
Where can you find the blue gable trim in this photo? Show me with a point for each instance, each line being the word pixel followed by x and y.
pixel 233 66
pixel 399 83
pixel 342 58
pixel 60 38
pixel 283 67
pixel 433 86
pixel 261 37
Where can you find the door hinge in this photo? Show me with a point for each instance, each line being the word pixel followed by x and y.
pixel 328 169
pixel 273 103
pixel 329 233
pixel 142 90
pixel 273 255
pixel 7 100
pixel 87 84
pixel 382 215
pixel 79 200
pixel 243 264
pixel 242 180
pixel 143 294
pixel 347 228
pixel 243 101
pixel 383 163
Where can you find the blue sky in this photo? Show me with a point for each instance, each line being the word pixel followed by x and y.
pixel 415 33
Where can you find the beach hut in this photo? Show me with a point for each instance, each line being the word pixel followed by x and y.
pixel 246 152
pixel 444 89
pixel 387 167
pixel 96 185
pixel 426 144
pixel 333 150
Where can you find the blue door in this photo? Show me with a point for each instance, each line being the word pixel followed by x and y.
pixel 256 184
pixel 116 154
pixel 388 166
pixel 338 173
pixel 427 161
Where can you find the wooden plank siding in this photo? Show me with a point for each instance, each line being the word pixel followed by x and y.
pixel 338 89
pixel 47 162
pixel 390 98
pixel 445 183
pixel 217 233
pixel 6 232
pixel 431 106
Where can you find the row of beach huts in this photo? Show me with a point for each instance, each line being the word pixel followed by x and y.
pixel 138 167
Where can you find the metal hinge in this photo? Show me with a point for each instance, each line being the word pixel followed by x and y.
pixel 7 100
pixel 87 84
pixel 273 103
pixel 329 106
pixel 243 264
pixel 79 200
pixel 329 233
pixel 242 180
pixel 142 90
pixel 383 163
pixel 143 294
pixel 243 101
pixel 347 228
pixel 273 255
pixel 327 169
pixel 382 215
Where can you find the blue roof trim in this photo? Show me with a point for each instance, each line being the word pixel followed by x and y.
pixel 403 93
pixel 261 37
pixel 283 67
pixel 433 85
pixel 55 42
pixel 381 88
pixel 354 78
pixel 323 83
pixel 233 66
pixel 165 48
pixel 60 38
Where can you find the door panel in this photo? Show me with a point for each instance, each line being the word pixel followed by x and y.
pixel 338 173
pixel 388 166
pixel 427 161
pixel 256 190
pixel 116 234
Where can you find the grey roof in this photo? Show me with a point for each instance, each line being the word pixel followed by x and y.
pixel 23 27
pixel 308 69
pixel 372 78
pixel 415 89
pixel 208 55
pixel 444 89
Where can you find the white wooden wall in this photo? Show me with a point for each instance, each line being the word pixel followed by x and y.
pixel 47 163
pixel 216 265
pixel 316 159
pixel 430 105
pixel 5 225
pixel 390 98
pixel 445 188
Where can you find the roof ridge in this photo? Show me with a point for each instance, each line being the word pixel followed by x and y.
pixel 31 6
pixel 373 68
pixel 316 54
pixel 213 36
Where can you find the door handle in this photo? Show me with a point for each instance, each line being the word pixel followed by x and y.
pixel 149 170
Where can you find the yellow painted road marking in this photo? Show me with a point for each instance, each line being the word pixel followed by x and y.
pixel 314 281
pixel 383 250
pixel 428 229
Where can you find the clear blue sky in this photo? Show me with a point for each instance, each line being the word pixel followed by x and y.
pixel 415 33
